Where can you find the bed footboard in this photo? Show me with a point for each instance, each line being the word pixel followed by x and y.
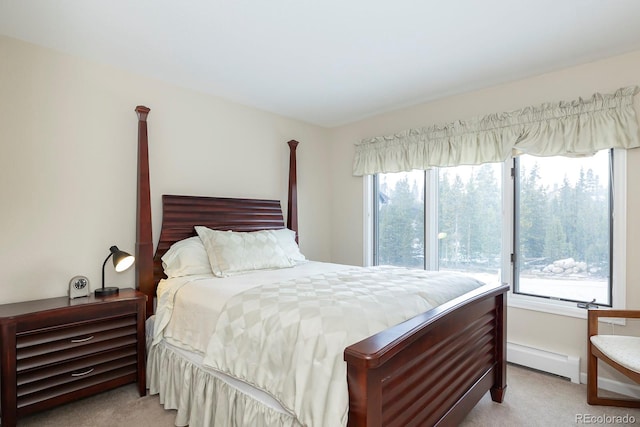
pixel 433 368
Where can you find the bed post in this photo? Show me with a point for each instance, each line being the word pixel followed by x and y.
pixel 144 243
pixel 292 207
pixel 500 384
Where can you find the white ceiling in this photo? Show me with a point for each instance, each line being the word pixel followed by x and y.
pixel 330 62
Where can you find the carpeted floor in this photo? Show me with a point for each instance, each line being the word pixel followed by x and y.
pixel 539 399
pixel 532 399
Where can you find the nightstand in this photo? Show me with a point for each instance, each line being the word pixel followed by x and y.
pixel 56 350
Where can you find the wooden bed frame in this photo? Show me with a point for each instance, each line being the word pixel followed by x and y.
pixel 429 370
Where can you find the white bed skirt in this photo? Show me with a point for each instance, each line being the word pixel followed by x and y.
pixel 202 399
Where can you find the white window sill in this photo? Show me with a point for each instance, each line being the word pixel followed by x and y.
pixel 560 308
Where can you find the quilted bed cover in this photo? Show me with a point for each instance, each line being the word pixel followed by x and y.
pixel 287 337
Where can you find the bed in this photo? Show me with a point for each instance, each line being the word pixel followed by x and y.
pixel 430 369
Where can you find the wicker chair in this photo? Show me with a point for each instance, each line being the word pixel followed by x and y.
pixel 619 351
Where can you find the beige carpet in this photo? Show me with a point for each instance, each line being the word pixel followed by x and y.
pixel 538 399
pixel 532 399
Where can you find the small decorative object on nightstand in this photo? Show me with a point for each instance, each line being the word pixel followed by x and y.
pixel 121 261
pixel 78 287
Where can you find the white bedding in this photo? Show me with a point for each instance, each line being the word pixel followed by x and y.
pixel 188 307
pixel 196 359
pixel 368 300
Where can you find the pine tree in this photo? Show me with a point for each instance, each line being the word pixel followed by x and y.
pixel 399 234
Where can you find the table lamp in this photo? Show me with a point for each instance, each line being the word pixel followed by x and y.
pixel 121 261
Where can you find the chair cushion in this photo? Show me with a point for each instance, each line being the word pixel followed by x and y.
pixel 624 350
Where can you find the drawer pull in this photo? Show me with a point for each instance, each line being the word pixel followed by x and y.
pixel 77 340
pixel 80 374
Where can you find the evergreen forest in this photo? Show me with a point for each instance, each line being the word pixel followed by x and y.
pixel 563 225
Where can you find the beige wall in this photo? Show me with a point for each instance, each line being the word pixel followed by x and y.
pixel 68 137
pixel 546 331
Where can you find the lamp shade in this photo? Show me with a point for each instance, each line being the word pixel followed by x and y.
pixel 121 261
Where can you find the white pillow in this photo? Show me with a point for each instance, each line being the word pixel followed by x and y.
pixel 287 240
pixel 186 258
pixel 239 252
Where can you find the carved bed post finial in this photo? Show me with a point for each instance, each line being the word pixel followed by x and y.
pixel 292 207
pixel 144 242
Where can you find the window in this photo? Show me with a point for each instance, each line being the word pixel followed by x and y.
pixel 562 232
pixel 517 226
pixel 458 229
pixel 400 219
pixel 469 223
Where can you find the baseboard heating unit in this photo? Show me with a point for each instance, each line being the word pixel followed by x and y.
pixel 542 360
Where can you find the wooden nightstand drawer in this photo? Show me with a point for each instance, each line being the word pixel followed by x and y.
pixel 57 350
pixel 77 368
pixel 75 334
pixel 55 345
pixel 55 386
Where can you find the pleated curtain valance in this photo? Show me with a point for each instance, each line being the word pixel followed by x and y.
pixel 573 128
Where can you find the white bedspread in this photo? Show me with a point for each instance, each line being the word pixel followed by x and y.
pixel 187 318
pixel 287 336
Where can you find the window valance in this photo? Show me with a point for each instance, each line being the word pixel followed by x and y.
pixel 572 128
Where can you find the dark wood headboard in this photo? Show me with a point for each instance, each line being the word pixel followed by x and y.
pixel 181 213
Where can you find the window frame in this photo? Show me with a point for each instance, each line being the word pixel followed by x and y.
pixel 619 235
pixel 546 305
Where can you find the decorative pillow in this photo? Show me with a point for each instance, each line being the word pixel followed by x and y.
pixel 186 258
pixel 239 252
pixel 287 240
